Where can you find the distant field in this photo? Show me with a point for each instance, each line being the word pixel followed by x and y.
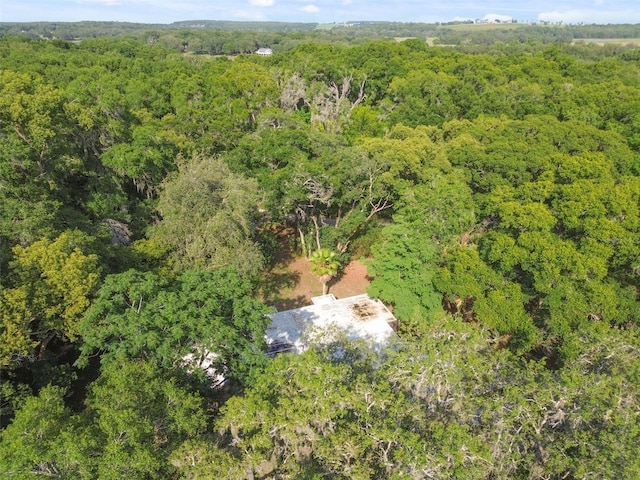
pixel 608 41
pixel 486 26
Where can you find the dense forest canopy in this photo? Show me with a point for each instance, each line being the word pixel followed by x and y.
pixel 492 188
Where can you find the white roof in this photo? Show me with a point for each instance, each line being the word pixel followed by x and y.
pixel 204 360
pixel 359 318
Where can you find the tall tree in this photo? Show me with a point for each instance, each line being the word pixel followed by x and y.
pixel 35 160
pixel 54 284
pixel 140 415
pixel 199 318
pixel 402 267
pixel 208 217
pixel 46 440
pixel 324 265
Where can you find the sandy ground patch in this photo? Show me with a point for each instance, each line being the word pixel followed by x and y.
pixel 291 283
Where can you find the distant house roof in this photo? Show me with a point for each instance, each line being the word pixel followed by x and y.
pixel 264 51
pixel 359 318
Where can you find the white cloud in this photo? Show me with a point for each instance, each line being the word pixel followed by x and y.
pixel 590 16
pixel 570 16
pixel 310 9
pixel 494 17
pixel 262 3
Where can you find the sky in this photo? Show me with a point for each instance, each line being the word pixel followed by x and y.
pixel 320 11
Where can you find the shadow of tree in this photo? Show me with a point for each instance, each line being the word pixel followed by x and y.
pixel 337 277
pixel 332 282
pixel 350 280
pixel 279 278
pixel 283 251
pixel 276 281
pixel 344 270
pixel 283 304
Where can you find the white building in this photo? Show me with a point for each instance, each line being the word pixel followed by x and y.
pixel 357 318
pixel 265 52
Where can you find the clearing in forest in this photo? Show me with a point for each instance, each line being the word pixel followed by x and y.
pixel 290 283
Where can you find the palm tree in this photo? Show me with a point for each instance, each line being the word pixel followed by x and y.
pixel 325 265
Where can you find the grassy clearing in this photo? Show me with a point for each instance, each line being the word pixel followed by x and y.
pixel 608 41
pixel 485 26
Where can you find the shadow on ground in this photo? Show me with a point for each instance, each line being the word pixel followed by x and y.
pixel 274 283
pixel 283 304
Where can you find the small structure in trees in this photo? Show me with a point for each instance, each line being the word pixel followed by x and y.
pixel 359 317
pixel 264 52
pixel 120 233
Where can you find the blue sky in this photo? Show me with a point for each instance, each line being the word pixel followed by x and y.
pixel 321 11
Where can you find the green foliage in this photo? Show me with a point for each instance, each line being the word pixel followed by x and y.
pixel 502 173
pixel 54 283
pixel 135 418
pixel 351 433
pixel 143 316
pixel 498 303
pixel 45 439
pixel 325 265
pixel 364 122
pixel 549 226
pixel 142 416
pixel 402 268
pixel 13 394
pixel 149 255
pixel 148 157
pixel 209 218
pixel 448 404
pixel 424 98
pixel 33 160
pixel 441 207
